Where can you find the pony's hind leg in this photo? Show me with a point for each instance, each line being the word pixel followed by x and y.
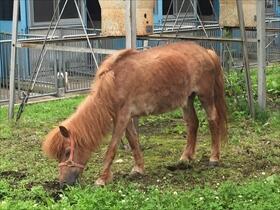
pixel 133 140
pixel 120 124
pixel 213 120
pixel 191 120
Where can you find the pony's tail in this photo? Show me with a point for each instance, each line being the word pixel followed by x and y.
pixel 219 92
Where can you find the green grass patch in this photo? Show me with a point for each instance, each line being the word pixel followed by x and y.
pixel 259 194
pixel 247 178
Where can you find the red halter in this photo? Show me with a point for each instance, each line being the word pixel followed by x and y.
pixel 70 162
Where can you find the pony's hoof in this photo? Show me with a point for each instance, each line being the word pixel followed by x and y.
pixel 214 163
pixel 137 170
pixel 135 175
pixel 100 182
pixel 104 179
pixel 180 165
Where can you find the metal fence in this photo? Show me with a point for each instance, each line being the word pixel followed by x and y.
pixel 74 71
pixel 71 71
pixel 5 52
pixel 231 52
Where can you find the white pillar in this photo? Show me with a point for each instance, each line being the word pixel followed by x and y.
pixel 261 54
pixel 130 39
pixel 130 24
pixel 13 59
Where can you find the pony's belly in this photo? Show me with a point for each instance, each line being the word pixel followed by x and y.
pixel 157 105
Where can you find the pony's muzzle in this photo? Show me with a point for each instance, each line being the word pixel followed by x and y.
pixel 68 179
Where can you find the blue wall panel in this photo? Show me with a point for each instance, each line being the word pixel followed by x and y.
pixel 277 7
pixel 158 12
pixel 6 27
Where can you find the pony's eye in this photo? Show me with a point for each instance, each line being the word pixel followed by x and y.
pixel 67 152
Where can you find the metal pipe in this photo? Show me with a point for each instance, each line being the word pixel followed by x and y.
pixel 246 59
pixel 166 37
pixel 13 59
pixel 261 54
pixel 177 16
pixel 66 48
pixel 130 24
pixel 83 25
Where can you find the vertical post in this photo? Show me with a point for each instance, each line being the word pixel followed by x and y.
pixel 130 24
pixel 13 59
pixel 130 39
pixel 246 59
pixel 195 8
pixel 261 54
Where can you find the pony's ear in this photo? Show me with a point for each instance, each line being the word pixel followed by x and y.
pixel 64 131
pixel 54 143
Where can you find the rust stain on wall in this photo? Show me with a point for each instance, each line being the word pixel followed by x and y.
pixel 229 16
pixel 113 14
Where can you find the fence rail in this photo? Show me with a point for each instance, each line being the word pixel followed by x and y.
pixel 74 71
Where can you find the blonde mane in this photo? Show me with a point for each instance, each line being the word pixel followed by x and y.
pixel 93 118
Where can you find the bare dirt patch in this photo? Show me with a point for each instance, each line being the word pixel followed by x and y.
pixel 13 174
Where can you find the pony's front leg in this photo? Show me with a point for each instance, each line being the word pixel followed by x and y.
pixel 121 121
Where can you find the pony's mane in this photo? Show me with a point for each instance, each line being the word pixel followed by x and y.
pixel 111 60
pixel 93 118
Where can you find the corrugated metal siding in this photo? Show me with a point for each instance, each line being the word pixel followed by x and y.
pixel 5 52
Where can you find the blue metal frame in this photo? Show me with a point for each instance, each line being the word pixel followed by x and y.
pixel 216 5
pixel 277 8
pixel 158 12
pixel 6 27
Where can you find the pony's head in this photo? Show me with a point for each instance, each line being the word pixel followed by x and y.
pixel 61 144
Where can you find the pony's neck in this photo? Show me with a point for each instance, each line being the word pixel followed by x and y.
pixel 91 122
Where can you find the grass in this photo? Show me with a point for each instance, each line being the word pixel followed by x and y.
pixel 248 177
pixel 254 195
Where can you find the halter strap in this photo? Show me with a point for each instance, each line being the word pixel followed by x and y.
pixel 70 162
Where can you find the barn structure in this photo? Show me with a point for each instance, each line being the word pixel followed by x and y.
pixel 212 23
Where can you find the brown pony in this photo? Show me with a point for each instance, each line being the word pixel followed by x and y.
pixel 131 84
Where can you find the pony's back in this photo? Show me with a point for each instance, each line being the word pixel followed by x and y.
pixel 160 79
